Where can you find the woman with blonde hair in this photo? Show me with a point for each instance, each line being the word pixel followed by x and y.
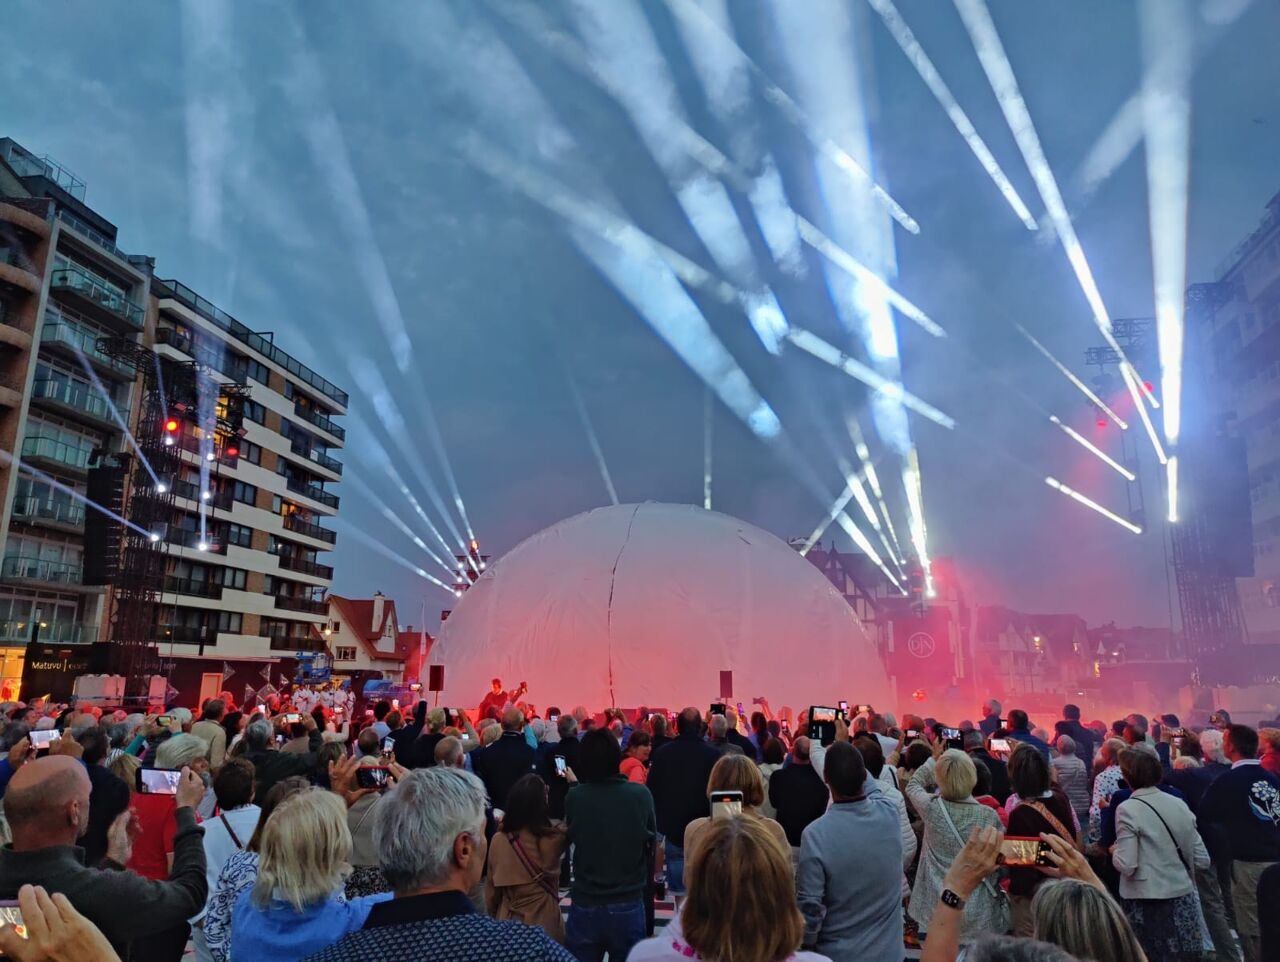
pixel 1082 918
pixel 736 773
pixel 949 817
pixel 295 907
pixel 741 901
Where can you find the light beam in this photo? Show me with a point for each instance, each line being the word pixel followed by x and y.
pixel 1092 505
pixel 1097 452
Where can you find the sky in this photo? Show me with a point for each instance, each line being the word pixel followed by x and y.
pixel 356 179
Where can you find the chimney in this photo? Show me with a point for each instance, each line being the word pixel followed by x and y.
pixel 379 602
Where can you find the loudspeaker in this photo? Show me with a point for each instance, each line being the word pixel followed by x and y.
pixel 726 685
pixel 435 678
pixel 103 535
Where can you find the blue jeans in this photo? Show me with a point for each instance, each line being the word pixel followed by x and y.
pixel 674 856
pixel 592 930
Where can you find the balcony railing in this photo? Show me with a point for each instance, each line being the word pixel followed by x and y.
pixel 54 632
pixel 56 512
pixel 36 569
pixel 322 421
pixel 79 341
pixel 47 449
pixel 295 524
pixel 188 634
pixel 92 289
pixel 92 233
pixel 180 292
pixel 191 539
pixel 76 396
pixel 191 491
pixel 305 567
pixel 302 604
pixel 304 450
pixel 281 641
pixel 195 587
pixel 312 491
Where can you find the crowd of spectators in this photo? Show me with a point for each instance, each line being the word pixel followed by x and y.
pixel 278 835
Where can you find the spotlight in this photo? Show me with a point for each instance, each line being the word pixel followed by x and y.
pixel 161 488
pixel 1148 387
pixel 482 566
pixel 457 593
pixel 205 495
pixel 168 441
pixel 171 425
pixel 232 452
pixel 153 537
pixel 210 456
pixel 202 546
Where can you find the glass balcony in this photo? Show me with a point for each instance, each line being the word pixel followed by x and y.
pixel 321 421
pixel 194 587
pixel 188 634
pixel 64 513
pixel 36 569
pixel 302 604
pixel 90 288
pixel 78 398
pixel 312 491
pixel 191 539
pixel 59 452
pixel 305 567
pixel 55 632
pixel 304 450
pixel 74 340
pixel 191 491
pixel 92 233
pixel 295 524
pixel 282 641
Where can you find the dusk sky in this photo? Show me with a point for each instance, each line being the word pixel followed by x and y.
pixel 347 174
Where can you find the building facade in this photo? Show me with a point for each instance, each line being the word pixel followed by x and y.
pixel 366 641
pixel 246 577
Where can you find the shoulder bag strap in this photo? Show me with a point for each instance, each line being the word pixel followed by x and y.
pixel 537 874
pixel 1173 838
pixel 1053 820
pixel 992 887
pixel 231 831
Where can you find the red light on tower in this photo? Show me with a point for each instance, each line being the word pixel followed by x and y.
pixel 1101 422
pixel 232 451
pixel 1149 386
pixel 918 694
pixel 171 425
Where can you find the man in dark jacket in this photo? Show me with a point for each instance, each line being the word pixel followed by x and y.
pixel 678 774
pixel 797 793
pixel 108 798
pixel 404 737
pixel 735 737
pixel 999 768
pixel 47 807
pixel 1020 731
pixel 271 766
pixel 506 761
pixel 568 748
pixel 1086 741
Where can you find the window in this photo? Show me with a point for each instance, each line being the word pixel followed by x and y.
pixel 254 411
pixel 244 493
pixel 344 653
pixel 250 452
pixel 258 371
pixel 239 534
pixel 234 578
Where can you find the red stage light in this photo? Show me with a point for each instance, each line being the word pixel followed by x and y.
pixel 1149 386
pixel 233 452
pixel 1102 422
pixel 171 425
pixel 918 694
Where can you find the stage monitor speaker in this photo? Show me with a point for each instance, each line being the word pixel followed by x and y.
pixel 103 535
pixel 726 685
pixel 435 678
pixel 1233 524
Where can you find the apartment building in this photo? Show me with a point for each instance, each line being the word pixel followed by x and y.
pixel 245 576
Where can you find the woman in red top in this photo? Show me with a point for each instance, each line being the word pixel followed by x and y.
pixel 634 763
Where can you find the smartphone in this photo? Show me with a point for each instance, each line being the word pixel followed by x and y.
pixel 1000 746
pixel 338 710
pixel 158 781
pixel 844 707
pixel 373 776
pixel 862 709
pixel 740 711
pixel 912 734
pixel 164 720
pixel 822 723
pixel 42 741
pixel 952 737
pixel 726 804
pixel 717 708
pixel 292 717
pixel 785 726
pixel 279 739
pixel 11 914
pixel 1025 851
pixel 388 745
pixel 560 765
pixel 553 718
pixel 466 737
pixel 1177 742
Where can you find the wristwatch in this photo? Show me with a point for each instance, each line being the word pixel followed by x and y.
pixel 951 900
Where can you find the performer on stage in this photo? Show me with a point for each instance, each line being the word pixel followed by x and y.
pixel 497 699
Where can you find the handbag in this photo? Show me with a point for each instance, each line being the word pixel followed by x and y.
pixel 537 874
pixel 1054 822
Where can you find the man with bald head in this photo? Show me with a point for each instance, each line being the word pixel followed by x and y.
pixel 47 808
pixel 798 793
pixel 506 761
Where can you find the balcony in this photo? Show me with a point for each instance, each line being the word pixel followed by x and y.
pixel 191 491
pixel 301 566
pixel 77 400
pixel 295 524
pixel 70 340
pixel 65 515
pixel 16 269
pixel 191 539
pixel 304 450
pixel 321 421
pixel 306 605
pixel 91 291
pixel 36 570
pixel 206 635
pixel 91 233
pixel 192 587
pixel 312 491
pixel 57 455
pixel 54 632
pixel 280 641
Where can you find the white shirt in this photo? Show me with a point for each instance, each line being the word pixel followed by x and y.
pixel 218 846
pixel 1246 761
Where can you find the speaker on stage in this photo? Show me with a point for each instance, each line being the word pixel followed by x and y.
pixel 726 685
pixel 435 678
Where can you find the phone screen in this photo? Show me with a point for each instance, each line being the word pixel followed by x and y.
pixel 11 914
pixel 844 706
pixel 41 741
pixel 717 708
pixel 292 718
pixel 861 709
pixel 1000 746
pixel 372 776
pixel 553 718
pixel 388 745
pixel 164 721
pixel 822 723
pixel 560 765
pixel 158 781
pixel 726 804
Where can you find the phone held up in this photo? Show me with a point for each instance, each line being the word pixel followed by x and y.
pixel 726 804
pixel 1025 851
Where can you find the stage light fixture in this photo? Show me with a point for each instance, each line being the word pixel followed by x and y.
pixel 1101 422
pixel 161 488
pixel 153 537
pixel 168 441
pixel 202 546
pixel 171 425
pixel 1088 503
pixel 205 495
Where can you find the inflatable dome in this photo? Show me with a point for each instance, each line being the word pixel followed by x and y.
pixel 644 605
